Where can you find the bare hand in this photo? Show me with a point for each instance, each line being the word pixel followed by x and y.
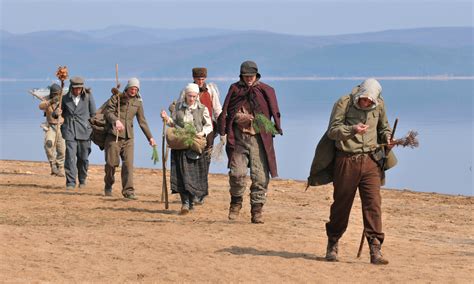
pixel 390 144
pixel 361 128
pixel 119 126
pixel 223 139
pixel 152 142
pixel 164 116
pixel 59 111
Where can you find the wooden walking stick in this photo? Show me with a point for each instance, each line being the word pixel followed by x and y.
pixel 361 246
pixel 164 155
pixel 118 101
pixel 62 75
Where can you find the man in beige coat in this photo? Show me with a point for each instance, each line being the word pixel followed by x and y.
pixel 55 150
pixel 131 105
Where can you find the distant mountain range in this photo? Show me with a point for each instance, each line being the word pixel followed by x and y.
pixel 146 52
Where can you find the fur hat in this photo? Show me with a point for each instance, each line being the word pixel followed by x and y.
pixel 191 88
pixel 199 72
pixel 133 82
pixel 76 82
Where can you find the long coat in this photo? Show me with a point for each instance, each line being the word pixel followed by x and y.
pixel 264 101
pixel 322 167
pixel 76 124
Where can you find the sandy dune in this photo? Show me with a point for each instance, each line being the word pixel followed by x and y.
pixel 50 235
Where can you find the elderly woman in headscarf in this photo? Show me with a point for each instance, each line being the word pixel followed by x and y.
pixel 188 167
pixel 358 123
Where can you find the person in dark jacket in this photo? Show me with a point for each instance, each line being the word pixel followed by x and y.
pixel 131 105
pixel 77 107
pixel 245 147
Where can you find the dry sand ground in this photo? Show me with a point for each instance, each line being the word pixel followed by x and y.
pixel 50 235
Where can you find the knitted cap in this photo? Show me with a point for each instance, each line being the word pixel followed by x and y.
pixel 133 82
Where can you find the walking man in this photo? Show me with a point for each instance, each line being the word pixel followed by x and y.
pixel 131 105
pixel 357 125
pixel 209 97
pixel 245 147
pixel 77 107
pixel 54 152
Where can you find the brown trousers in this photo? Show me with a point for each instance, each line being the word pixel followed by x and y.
pixel 113 152
pixel 352 172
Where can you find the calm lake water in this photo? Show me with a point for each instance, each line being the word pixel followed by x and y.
pixel 441 111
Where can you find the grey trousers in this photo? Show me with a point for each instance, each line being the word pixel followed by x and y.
pixel 249 153
pixel 77 161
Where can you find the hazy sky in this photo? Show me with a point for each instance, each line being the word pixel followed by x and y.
pixel 316 17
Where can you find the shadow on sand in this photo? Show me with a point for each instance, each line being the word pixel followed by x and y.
pixel 284 254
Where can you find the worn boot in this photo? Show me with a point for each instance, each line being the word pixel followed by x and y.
pixel 256 211
pixel 54 168
pixel 60 172
pixel 376 253
pixel 331 250
pixel 235 206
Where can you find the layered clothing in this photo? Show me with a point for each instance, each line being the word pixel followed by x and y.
pixel 261 99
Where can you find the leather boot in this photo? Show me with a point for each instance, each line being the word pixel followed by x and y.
pixel 256 211
pixel 376 253
pixel 331 250
pixel 235 206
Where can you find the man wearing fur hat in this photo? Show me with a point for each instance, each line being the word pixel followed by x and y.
pixel 131 105
pixel 55 153
pixel 209 97
pixel 77 107
pixel 245 148
pixel 357 125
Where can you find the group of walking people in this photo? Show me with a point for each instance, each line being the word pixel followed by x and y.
pixel 345 155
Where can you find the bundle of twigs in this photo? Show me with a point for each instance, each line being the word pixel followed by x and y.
pixel 154 156
pixel 186 133
pixel 262 124
pixel 218 152
pixel 409 140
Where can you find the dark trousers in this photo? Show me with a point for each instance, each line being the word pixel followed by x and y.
pixel 350 173
pixel 77 161
pixel 114 151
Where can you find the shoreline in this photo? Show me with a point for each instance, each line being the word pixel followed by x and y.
pixel 288 180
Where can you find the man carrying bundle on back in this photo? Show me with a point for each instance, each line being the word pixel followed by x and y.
pixel 131 105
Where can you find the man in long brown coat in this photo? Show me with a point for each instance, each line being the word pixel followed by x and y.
pixel 131 105
pixel 245 147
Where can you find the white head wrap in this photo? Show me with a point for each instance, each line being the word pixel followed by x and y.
pixel 369 88
pixel 191 88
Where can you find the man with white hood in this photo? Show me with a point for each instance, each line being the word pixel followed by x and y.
pixel 358 124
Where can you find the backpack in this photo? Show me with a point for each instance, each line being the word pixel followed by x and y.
pixel 99 126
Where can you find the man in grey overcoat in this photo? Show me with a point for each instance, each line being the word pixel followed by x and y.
pixel 77 107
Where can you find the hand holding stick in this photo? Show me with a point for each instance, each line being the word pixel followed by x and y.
pixel 62 75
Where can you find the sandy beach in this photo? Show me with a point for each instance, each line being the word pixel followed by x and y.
pixel 51 235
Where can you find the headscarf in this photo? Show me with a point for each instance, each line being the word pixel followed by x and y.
pixel 369 88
